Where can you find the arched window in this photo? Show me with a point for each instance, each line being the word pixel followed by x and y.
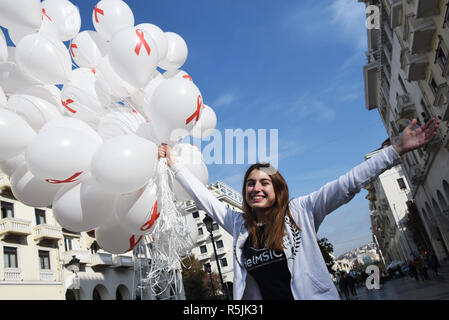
pixel 441 201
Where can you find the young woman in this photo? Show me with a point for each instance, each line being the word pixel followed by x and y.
pixel 276 254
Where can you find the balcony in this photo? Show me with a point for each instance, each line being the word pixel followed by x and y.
pixel 47 275
pixel 47 232
pixel 426 8
pixel 435 144
pixel 371 85
pixel 12 274
pixel 415 66
pixel 421 35
pixel 101 259
pixel 120 261
pixel 220 252
pixel 14 226
pixel 395 12
pixel 405 106
pixel 442 95
pixel 84 256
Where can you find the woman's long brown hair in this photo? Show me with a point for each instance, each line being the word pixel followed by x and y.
pixel 274 229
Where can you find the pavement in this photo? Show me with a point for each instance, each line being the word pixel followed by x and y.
pixel 407 288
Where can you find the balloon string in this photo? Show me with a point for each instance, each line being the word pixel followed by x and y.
pixel 170 239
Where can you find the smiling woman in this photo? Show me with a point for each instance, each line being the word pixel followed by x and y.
pixel 276 255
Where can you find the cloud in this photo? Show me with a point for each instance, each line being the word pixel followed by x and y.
pixel 310 107
pixel 224 100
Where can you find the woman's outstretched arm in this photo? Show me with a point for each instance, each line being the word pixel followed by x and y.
pixel 342 190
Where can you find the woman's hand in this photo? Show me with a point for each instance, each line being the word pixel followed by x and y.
pixel 165 151
pixel 411 139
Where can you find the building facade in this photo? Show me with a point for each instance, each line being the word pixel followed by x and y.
pixel 406 77
pixel 204 250
pixel 388 195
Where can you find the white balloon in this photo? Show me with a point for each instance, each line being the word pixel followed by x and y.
pixel 8 166
pixel 30 190
pixel 25 13
pixel 62 155
pixel 111 83
pixel 125 163
pixel 174 108
pixel 71 123
pixel 45 59
pixel 83 206
pixel 64 15
pixel 146 131
pixel 191 157
pixel 3 48
pixel 48 92
pixel 138 212
pixel 15 134
pixel 207 123
pixel 110 16
pixel 12 78
pixel 34 110
pixel 159 37
pixel 119 122
pixel 79 96
pixel 141 95
pixel 133 55
pixel 87 49
pixel 2 98
pixel 176 73
pixel 114 238
pixel 176 52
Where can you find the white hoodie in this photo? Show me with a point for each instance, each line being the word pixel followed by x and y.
pixel 310 277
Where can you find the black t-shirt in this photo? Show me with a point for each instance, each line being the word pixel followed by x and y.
pixel 269 269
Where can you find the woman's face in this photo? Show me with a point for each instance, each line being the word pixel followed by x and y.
pixel 260 193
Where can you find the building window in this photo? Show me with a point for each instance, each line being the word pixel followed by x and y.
pixel 10 257
pixel 68 243
pixel 215 227
pixel 203 249
pixel 433 85
pixel 44 259
pixel 401 183
pixel 441 54
pixel 7 210
pixel 219 244
pixel 196 214
pixel 40 216
pixel 200 231
pixel 224 262
pixel 401 82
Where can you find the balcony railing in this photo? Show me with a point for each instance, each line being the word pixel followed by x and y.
pixel 427 8
pixel 120 261
pixel 84 256
pixel 14 226
pixel 415 66
pixel 47 275
pixel 12 274
pixel 101 259
pixel 421 35
pixel 47 232
pixel 203 256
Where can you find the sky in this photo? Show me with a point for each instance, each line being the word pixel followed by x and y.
pixel 293 65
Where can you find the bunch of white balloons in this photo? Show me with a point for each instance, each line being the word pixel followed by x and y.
pixel 81 136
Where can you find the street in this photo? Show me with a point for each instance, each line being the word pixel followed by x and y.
pixel 407 288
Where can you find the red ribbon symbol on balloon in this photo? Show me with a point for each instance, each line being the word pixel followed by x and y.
pixel 68 180
pixel 133 242
pixel 186 76
pixel 142 42
pixel 97 11
pixel 45 14
pixel 154 216
pixel 72 46
pixel 66 105
pixel 196 114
